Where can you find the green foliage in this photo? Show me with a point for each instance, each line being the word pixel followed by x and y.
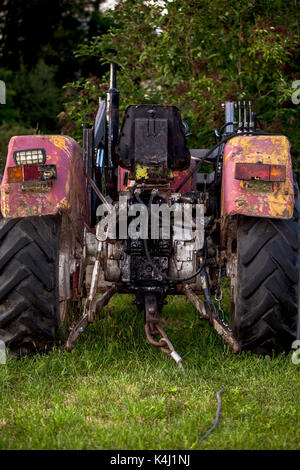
pixel 37 56
pixel 82 100
pixel 196 55
pixel 47 30
pixel 33 98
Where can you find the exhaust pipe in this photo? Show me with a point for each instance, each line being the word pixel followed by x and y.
pixel 112 131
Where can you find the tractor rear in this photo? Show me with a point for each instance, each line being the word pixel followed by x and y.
pixel 131 214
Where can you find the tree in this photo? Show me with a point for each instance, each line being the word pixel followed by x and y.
pixel 198 54
pixel 38 39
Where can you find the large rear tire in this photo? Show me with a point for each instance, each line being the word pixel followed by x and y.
pixel 29 297
pixel 266 286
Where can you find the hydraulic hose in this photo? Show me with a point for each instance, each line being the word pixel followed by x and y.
pixel 174 279
pixel 222 141
pixel 190 174
pixel 155 267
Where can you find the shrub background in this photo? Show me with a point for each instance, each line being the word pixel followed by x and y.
pixel 194 54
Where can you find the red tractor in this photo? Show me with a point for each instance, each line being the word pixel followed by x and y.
pixel 130 213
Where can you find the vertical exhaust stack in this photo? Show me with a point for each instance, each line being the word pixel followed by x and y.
pixel 112 128
pixel 229 116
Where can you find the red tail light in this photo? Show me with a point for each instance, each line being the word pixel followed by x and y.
pixel 21 173
pixel 31 172
pixel 259 171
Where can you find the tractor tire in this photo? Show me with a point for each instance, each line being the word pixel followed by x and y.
pixel 29 298
pixel 265 313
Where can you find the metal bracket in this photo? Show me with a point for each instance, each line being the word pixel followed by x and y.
pixel 208 312
pixel 79 327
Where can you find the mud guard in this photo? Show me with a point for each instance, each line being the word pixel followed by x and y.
pixel 65 194
pixel 257 198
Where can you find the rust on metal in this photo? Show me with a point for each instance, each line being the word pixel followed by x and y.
pixel 220 326
pixel 153 329
pixel 65 194
pixel 257 198
pixel 79 327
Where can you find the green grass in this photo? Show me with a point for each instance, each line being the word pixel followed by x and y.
pixel 115 391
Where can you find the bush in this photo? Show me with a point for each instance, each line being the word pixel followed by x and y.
pixel 196 55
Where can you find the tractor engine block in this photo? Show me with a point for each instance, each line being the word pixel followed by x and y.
pixel 177 256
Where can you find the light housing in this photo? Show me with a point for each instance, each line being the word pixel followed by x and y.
pixel 30 156
pixel 23 173
pixel 260 171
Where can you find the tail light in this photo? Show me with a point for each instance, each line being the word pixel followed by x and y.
pixel 260 171
pixel 15 174
pixel 30 172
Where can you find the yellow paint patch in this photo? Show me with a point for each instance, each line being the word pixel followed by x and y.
pixel 63 204
pixel 141 172
pixel 67 186
pixel 275 202
pixel 59 142
pixel 5 208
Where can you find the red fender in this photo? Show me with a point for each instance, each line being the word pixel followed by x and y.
pixel 257 198
pixel 65 194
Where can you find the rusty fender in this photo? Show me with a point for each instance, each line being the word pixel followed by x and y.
pixel 65 194
pixel 257 198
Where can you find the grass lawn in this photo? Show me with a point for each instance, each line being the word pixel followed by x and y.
pixel 115 391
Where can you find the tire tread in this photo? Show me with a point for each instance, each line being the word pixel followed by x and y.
pixel 29 307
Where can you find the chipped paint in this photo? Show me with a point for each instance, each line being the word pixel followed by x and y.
pixel 178 176
pixel 64 204
pixel 59 142
pixel 141 172
pixel 257 198
pixel 65 194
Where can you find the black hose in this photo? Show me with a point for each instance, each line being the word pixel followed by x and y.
pixel 217 416
pixel 222 141
pixel 155 267
pixel 193 170
pixel 226 125
pixel 174 279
